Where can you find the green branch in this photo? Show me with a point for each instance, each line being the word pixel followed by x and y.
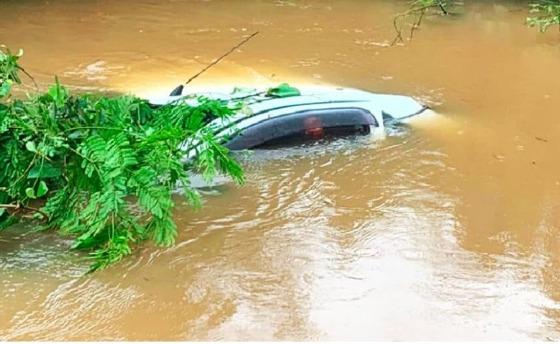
pixel 105 168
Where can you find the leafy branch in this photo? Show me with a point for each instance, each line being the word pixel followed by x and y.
pixel 18 206
pixel 545 14
pixel 102 169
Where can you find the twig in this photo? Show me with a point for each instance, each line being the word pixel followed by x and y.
pixel 18 206
pixel 213 63
pixel 27 169
pixel 416 25
pixel 30 77
pixel 421 12
pixel 93 163
pixel 80 128
pixel 397 29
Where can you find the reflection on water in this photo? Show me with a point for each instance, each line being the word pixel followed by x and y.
pixel 445 229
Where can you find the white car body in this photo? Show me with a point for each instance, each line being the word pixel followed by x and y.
pixel 261 108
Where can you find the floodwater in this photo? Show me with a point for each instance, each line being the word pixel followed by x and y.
pixel 447 229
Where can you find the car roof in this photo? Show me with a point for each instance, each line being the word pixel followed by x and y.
pixel 396 106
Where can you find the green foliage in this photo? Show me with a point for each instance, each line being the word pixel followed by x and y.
pixel 545 14
pixel 9 70
pixel 103 168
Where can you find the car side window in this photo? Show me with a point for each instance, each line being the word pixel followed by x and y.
pixel 304 126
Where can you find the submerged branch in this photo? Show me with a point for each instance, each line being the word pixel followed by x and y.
pixel 29 76
pixel 18 206
pixel 414 11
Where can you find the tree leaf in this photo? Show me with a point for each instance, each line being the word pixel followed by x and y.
pixel 30 193
pixel 30 146
pixel 44 171
pixel 42 189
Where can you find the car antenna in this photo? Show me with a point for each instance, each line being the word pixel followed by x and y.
pixel 177 91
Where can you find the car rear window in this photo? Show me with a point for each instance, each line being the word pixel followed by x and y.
pixel 304 126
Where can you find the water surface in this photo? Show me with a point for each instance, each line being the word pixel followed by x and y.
pixel 448 229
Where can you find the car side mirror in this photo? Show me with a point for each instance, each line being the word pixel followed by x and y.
pixel 177 91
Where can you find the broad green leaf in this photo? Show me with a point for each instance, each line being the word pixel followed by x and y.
pixel 283 91
pixel 44 171
pixel 30 193
pixel 42 189
pixel 30 146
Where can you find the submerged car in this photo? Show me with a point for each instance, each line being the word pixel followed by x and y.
pixel 307 114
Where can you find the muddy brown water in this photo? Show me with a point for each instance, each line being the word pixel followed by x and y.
pixel 447 229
